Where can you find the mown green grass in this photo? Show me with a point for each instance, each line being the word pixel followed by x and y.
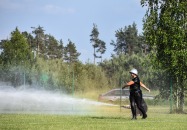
pixel 99 118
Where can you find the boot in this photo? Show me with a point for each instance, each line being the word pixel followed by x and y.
pixel 144 116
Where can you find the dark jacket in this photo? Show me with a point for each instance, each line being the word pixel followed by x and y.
pixel 136 86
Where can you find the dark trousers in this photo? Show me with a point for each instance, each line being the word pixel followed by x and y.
pixel 136 100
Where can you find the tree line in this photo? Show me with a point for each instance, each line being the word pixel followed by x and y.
pixel 24 51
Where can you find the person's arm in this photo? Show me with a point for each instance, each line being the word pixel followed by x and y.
pixel 128 84
pixel 142 85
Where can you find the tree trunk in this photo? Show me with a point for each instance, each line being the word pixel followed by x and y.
pixel 181 101
pixel 94 55
pixel 180 98
pixel 177 100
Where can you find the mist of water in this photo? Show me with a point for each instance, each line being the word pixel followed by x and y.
pixel 41 101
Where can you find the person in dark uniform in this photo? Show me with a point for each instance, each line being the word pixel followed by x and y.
pixel 136 94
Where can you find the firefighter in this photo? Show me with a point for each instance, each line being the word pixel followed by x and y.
pixel 136 94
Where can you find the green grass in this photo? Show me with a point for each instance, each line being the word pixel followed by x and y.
pixel 98 118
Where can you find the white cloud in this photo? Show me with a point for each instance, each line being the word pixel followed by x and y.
pixel 53 9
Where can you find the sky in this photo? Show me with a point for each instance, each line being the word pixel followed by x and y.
pixel 72 19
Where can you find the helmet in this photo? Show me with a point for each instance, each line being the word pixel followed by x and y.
pixel 134 71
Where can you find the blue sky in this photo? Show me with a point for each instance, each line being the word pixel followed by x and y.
pixel 72 19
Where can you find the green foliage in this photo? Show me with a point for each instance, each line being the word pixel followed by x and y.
pixel 94 36
pixel 119 66
pixel 58 75
pixel 54 67
pixel 120 45
pixel 70 53
pixel 97 43
pixel 165 31
pixel 45 45
pixel 46 68
pixel 131 36
pixel 127 40
pixel 53 49
pixel 16 58
pixel 15 50
pixel 102 47
pixel 38 42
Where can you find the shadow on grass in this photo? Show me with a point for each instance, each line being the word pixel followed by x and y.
pixel 107 117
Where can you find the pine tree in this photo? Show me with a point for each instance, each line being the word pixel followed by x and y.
pixel 126 40
pixel 70 53
pixel 98 45
pixel 39 40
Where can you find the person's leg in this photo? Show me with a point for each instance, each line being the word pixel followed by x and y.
pixel 138 100
pixel 133 107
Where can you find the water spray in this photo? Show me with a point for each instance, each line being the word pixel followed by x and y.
pixel 41 101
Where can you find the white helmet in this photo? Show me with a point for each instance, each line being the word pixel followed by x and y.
pixel 134 71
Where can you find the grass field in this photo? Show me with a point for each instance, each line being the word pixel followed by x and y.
pixel 99 118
